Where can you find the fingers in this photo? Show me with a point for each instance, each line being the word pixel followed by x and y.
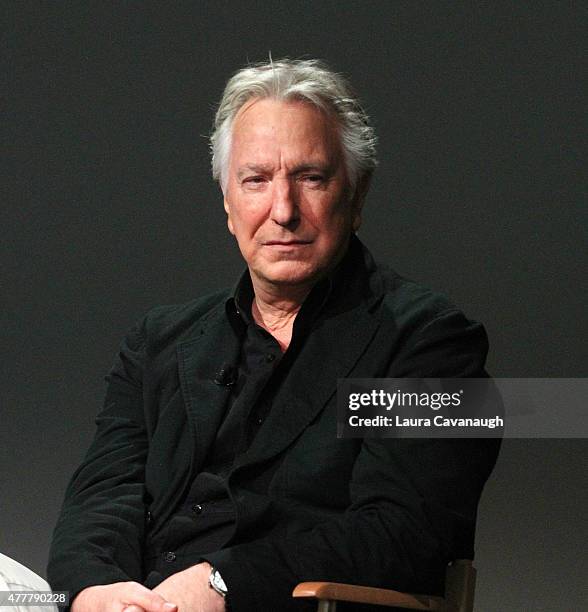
pixel 140 599
pixel 127 596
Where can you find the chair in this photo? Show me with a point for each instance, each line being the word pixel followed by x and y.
pixel 460 582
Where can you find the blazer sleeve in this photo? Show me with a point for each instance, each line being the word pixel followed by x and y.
pixel 100 530
pixel 413 501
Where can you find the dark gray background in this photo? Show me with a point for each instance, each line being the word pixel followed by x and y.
pixel 109 209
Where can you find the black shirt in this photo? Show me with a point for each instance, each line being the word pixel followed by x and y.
pixel 205 521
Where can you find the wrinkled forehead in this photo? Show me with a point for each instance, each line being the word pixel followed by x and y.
pixel 293 126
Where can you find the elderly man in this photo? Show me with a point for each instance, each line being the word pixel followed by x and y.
pixel 216 480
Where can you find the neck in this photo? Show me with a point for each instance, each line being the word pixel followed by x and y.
pixel 275 310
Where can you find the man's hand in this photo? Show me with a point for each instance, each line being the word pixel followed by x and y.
pixel 190 590
pixel 118 596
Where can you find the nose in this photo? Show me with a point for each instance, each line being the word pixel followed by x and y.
pixel 284 210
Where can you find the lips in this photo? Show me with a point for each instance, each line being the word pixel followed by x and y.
pixel 286 242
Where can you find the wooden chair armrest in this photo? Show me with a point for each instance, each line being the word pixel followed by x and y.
pixel 335 591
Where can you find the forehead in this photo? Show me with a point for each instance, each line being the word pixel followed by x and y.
pixel 266 128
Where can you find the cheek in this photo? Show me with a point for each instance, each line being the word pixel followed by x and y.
pixel 246 219
pixel 333 219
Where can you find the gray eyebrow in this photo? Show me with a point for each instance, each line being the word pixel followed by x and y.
pixel 323 167
pixel 263 168
pixel 253 168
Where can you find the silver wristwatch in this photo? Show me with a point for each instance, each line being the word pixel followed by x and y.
pixel 216 582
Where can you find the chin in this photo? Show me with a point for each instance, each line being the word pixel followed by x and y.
pixel 288 275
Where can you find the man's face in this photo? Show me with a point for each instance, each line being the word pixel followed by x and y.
pixel 286 196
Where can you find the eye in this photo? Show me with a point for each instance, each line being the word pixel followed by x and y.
pixel 254 179
pixel 254 182
pixel 313 179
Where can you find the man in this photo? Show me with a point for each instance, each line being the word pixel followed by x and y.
pixel 216 480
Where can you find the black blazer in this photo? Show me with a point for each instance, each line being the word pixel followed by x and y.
pixel 309 506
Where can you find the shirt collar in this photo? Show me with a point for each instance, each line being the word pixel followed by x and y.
pixel 238 306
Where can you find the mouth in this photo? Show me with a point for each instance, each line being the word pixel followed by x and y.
pixel 286 243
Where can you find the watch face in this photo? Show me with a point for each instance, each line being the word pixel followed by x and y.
pixel 217 583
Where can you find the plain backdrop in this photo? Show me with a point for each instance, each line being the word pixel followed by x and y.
pixel 108 209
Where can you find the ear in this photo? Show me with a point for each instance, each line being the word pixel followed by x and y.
pixel 358 200
pixel 228 211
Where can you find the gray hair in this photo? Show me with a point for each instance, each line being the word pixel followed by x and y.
pixel 307 80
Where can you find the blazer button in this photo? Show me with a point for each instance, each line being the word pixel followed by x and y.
pixel 197 509
pixel 169 556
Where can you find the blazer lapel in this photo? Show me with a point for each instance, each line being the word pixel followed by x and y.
pixel 200 360
pixel 312 381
